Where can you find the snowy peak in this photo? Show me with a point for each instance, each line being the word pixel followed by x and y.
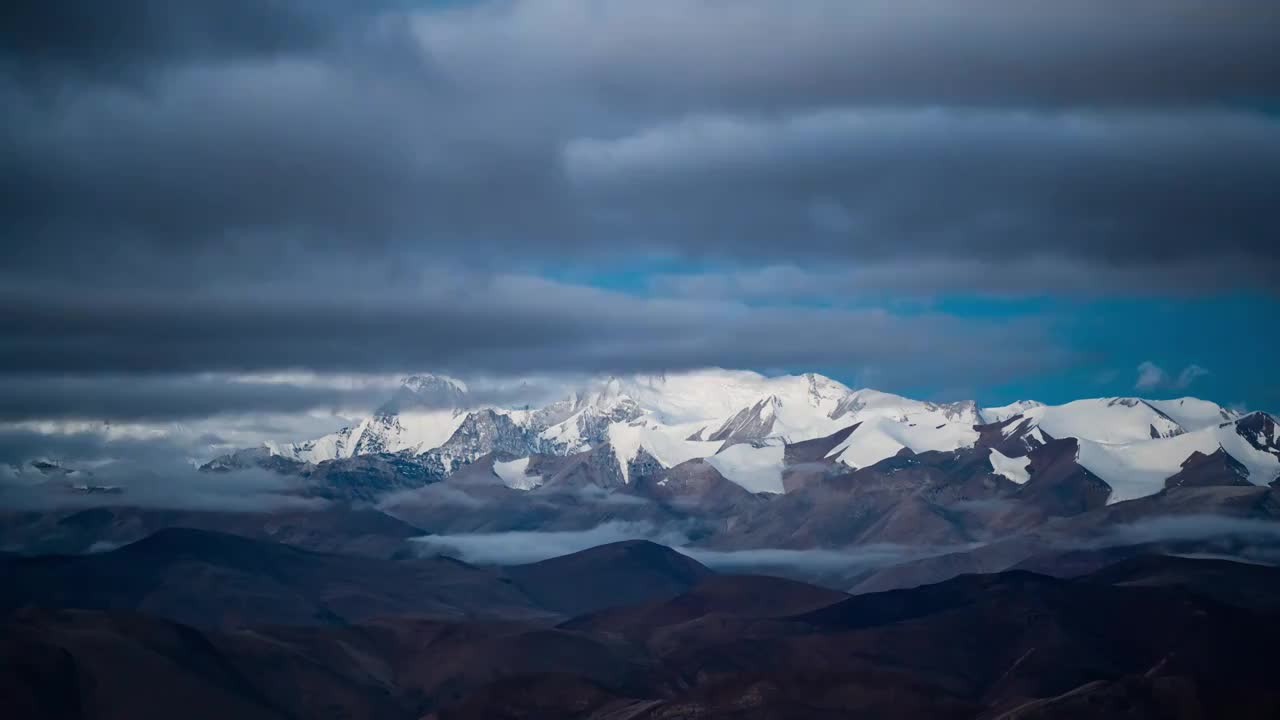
pixel 1105 420
pixel 862 404
pixel 823 390
pixel 414 431
pixel 427 383
pixel 739 422
pixel 422 414
pixel 478 434
pixel 752 423
pixel 604 396
pixel 427 392
pixel 881 436
pixel 1260 430
pixel 581 421
pixel 585 427
pixel 1194 414
pixel 964 411
pixel 1004 412
pixel 1141 468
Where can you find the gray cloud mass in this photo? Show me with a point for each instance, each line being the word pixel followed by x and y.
pixel 859 131
pixel 385 186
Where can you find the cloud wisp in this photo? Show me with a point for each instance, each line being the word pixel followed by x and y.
pixel 1154 377
pixel 514 548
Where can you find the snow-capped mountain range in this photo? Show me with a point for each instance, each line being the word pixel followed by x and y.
pixel 742 422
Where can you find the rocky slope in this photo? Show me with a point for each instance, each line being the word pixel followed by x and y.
pixel 1151 637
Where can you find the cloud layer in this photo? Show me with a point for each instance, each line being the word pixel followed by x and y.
pixel 151 485
pixel 863 132
pixel 391 186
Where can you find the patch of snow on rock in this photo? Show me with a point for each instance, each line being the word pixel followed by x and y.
pixel 758 469
pixel 1016 469
pixel 513 474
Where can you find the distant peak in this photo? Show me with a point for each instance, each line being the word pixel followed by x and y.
pixel 602 395
pixel 427 392
pixel 430 382
pixel 1125 401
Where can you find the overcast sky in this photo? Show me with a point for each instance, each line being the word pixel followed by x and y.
pixel 990 199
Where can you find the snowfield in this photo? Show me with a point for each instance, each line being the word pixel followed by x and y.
pixel 758 469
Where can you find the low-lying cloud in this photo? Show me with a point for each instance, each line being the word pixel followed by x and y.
pixel 507 548
pixel 512 548
pixel 434 495
pixel 1190 528
pixel 153 486
pixel 817 560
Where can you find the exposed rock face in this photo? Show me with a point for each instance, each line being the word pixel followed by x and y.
pixel 940 477
pixel 258 457
pixel 750 423
pixel 807 462
pixel 965 411
pixel 481 433
pixel 696 486
pixel 1013 437
pixel 1260 430
pixel 379 435
pixel 908 499
pixel 1060 486
pixel 816 450
pixel 596 467
pixel 1201 470
pixel 643 465
pixel 362 478
pixel 585 427
pixel 368 477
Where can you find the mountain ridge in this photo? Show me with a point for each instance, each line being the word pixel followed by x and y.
pixel 660 421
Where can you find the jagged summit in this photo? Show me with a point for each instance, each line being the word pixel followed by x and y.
pixel 741 422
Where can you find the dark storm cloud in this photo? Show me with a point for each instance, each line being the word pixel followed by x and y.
pixel 831 131
pixel 123 37
pixel 749 53
pixel 329 171
pixel 469 324
pixel 880 184
pixel 766 54
pixel 242 186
